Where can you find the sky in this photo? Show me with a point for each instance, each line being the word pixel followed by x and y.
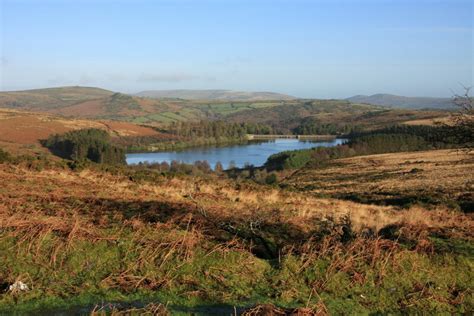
pixel 311 49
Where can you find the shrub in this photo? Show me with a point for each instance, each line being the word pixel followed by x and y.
pixel 271 178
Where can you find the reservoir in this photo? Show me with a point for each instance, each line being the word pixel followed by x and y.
pixel 253 153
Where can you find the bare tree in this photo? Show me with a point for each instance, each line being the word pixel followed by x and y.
pixel 464 118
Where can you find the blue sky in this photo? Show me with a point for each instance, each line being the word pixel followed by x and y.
pixel 321 49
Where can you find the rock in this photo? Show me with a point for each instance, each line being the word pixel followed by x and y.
pixel 18 286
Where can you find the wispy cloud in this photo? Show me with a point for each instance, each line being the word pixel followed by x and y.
pixel 178 77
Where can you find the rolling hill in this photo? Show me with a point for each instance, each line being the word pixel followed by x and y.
pixel 223 95
pixel 397 101
pixel 84 102
pixel 283 113
pixel 95 103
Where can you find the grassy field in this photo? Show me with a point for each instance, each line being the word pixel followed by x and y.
pixel 201 110
pixel 81 238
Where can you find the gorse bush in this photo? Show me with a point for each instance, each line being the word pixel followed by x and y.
pixel 289 159
pixel 87 144
pixel 4 156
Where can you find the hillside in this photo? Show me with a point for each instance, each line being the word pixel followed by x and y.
pixel 222 95
pixel 21 131
pixel 50 98
pixel 284 114
pixel 397 101
pixel 339 113
pixel 97 103
pixel 431 177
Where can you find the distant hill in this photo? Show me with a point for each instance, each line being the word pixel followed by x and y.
pixel 226 95
pixel 256 107
pixel 86 102
pixel 397 101
pixel 96 103
pixel 50 98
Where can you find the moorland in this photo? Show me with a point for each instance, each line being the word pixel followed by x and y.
pixel 382 224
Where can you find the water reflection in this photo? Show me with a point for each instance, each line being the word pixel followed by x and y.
pixel 254 153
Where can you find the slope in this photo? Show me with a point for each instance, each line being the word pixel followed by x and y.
pixel 403 102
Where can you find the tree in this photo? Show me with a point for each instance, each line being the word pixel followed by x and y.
pixel 464 118
pixel 232 165
pixel 86 144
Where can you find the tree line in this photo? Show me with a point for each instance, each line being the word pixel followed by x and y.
pixel 439 136
pixel 179 135
pixel 387 140
pixel 216 129
pixel 311 126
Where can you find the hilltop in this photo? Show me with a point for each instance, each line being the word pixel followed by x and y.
pixel 75 101
pixel 397 101
pixel 223 95
pixel 50 98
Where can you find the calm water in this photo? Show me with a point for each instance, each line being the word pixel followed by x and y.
pixel 255 153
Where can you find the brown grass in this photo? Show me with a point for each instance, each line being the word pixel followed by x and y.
pixel 60 197
pixel 271 310
pixel 84 109
pixel 431 121
pixel 442 173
